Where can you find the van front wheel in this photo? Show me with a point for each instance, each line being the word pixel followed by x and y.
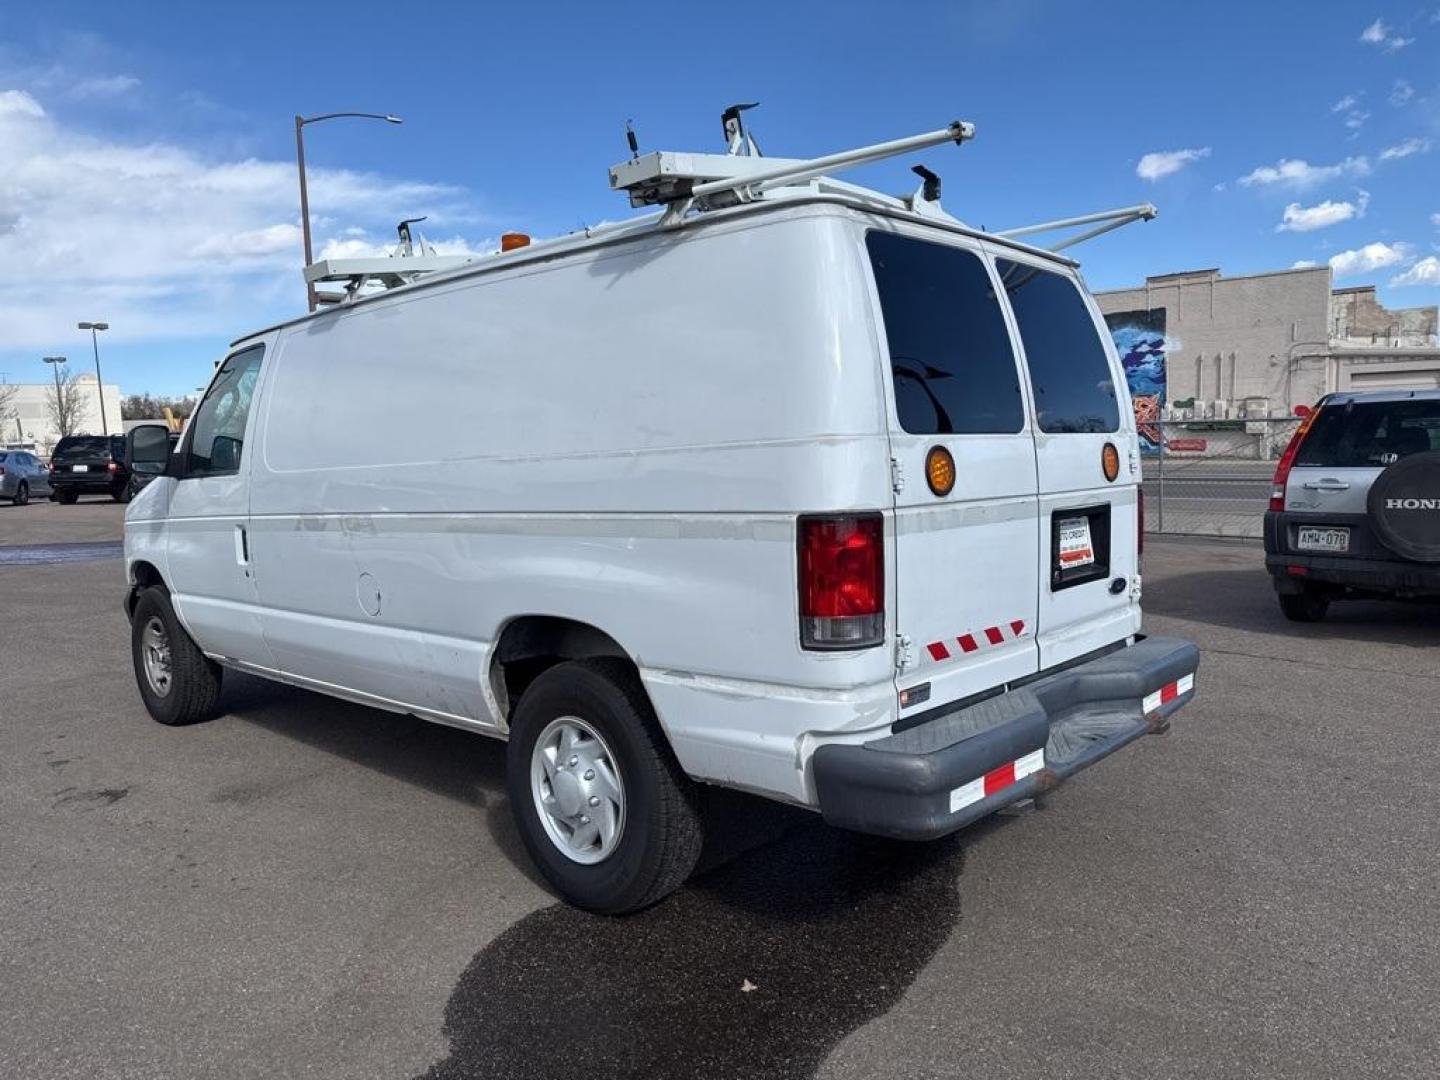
pixel 601 804
pixel 178 682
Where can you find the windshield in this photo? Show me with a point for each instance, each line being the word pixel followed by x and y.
pixel 83 447
pixel 1374 433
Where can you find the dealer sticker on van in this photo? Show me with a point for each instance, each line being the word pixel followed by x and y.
pixel 1075 547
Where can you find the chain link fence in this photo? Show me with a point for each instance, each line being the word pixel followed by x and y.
pixel 1212 477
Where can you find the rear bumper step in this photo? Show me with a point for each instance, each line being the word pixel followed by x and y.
pixel 942 775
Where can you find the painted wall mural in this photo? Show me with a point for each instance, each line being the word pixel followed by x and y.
pixel 1141 342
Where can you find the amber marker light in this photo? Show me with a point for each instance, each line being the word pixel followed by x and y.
pixel 1110 461
pixel 940 470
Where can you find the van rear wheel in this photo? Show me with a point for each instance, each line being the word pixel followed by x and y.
pixel 178 683
pixel 601 803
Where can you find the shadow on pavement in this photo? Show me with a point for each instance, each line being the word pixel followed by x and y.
pixel 1244 599
pixel 756 969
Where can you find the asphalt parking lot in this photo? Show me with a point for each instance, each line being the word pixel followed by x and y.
pixel 310 888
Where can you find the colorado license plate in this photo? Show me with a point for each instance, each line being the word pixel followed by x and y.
pixel 1313 539
pixel 79 468
pixel 1075 547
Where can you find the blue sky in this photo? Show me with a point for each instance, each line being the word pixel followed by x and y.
pixel 147 151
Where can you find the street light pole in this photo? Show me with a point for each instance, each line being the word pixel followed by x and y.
pixel 93 327
pixel 300 122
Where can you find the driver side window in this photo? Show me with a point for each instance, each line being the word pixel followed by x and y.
pixel 218 430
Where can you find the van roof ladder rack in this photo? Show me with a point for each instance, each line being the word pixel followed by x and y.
pixel 1109 219
pixel 682 181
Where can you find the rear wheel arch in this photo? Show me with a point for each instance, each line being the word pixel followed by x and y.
pixel 529 645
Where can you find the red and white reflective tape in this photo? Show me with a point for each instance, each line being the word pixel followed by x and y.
pixel 1167 694
pixel 987 638
pixel 997 780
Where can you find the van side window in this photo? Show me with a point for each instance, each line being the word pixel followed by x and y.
pixel 218 429
pixel 1069 371
pixel 950 353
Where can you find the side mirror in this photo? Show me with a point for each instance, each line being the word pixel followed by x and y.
pixel 147 449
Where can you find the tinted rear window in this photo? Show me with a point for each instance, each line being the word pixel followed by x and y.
pixel 950 353
pixel 1074 390
pixel 81 447
pixel 1371 433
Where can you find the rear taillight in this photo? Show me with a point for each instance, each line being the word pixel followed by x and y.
pixel 842 581
pixel 112 467
pixel 1287 459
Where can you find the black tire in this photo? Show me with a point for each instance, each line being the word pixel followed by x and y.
pixel 122 495
pixel 65 498
pixel 660 840
pixel 194 682
pixel 1307 606
pixel 22 494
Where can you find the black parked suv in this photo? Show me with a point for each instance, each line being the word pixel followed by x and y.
pixel 1355 511
pixel 93 464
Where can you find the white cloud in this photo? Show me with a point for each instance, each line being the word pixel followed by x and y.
pixel 1435 220
pixel 1164 162
pixel 1401 93
pixel 1299 218
pixel 1424 272
pixel 165 241
pixel 1298 173
pixel 1378 34
pixel 252 243
pixel 1355 119
pixel 19 103
pixel 1304 264
pixel 1349 101
pixel 1405 149
pixel 102 87
pixel 1370 257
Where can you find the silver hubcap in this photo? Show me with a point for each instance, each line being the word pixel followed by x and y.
pixel 577 790
pixel 155 654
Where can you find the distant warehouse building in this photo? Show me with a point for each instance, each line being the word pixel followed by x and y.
pixel 1201 346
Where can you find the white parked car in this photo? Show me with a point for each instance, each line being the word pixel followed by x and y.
pixel 814 493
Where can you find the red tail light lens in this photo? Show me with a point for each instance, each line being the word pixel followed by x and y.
pixel 1287 459
pixel 113 467
pixel 842 581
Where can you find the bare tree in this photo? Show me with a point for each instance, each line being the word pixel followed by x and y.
pixel 65 403
pixel 8 393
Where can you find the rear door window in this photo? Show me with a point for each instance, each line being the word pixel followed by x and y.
pixel 1069 370
pixel 950 355
pixel 1371 433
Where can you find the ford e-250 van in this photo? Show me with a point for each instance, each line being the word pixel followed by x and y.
pixel 791 487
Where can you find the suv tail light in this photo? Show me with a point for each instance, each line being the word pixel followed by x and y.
pixel 112 467
pixel 842 581
pixel 1287 459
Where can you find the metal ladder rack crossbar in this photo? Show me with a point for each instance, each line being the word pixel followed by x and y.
pixel 1109 219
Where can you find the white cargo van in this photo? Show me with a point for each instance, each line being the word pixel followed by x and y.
pixel 794 488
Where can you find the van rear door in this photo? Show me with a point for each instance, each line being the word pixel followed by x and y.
pixel 1088 564
pixel 966 558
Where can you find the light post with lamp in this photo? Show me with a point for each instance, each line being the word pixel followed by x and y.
pixel 95 328
pixel 300 122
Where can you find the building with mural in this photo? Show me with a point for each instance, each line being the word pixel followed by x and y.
pixel 1199 345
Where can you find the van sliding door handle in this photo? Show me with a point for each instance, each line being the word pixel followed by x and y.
pixel 242 547
pixel 1326 485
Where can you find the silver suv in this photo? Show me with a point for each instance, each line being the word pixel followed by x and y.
pixel 1355 511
